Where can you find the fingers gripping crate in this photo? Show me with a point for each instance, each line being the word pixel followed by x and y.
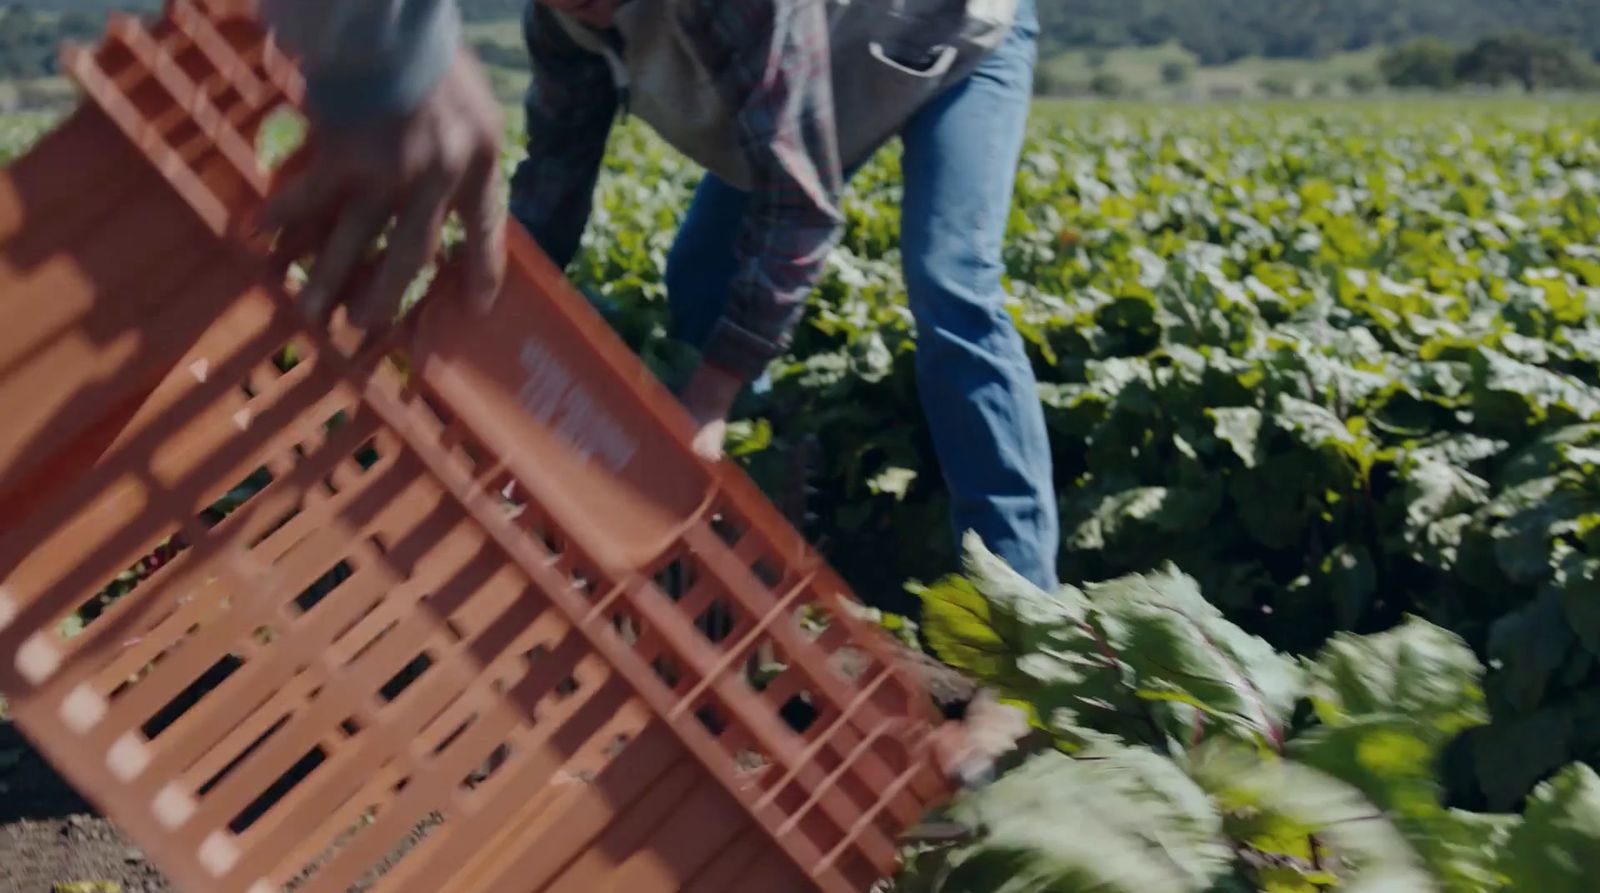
pixel 297 610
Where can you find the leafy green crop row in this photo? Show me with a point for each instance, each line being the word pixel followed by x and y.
pixel 1184 755
pixel 1337 364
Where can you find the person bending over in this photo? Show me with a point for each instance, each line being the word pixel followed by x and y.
pixel 781 101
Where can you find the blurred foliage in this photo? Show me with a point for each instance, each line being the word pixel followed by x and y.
pixel 1187 756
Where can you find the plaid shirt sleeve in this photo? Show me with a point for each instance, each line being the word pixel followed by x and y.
pixel 774 55
pixel 570 104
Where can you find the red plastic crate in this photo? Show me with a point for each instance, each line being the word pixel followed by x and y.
pixel 474 617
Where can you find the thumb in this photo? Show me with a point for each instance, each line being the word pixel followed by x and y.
pixel 485 238
pixel 968 751
pixel 710 439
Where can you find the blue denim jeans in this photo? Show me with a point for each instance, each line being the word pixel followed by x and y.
pixel 977 387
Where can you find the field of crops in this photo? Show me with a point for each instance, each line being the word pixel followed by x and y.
pixel 1339 369
pixel 1324 388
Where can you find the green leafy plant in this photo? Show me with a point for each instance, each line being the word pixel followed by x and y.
pixel 1188 756
pixel 1338 365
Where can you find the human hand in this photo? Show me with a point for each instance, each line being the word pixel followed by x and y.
pixel 709 397
pixel 351 179
pixel 967 751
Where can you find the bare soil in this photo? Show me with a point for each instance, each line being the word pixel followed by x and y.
pixel 38 855
pixel 50 836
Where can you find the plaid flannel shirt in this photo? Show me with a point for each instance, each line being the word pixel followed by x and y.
pixel 772 57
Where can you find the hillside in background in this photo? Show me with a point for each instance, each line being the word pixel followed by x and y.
pixel 1215 32
pixel 90 7
pixel 1131 49
pixel 1221 32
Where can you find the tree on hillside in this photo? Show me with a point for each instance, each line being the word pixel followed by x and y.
pixel 1109 85
pixel 1534 61
pixel 1428 62
pixel 1175 73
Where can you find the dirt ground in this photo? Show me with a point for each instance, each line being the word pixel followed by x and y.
pixel 41 856
pixel 49 836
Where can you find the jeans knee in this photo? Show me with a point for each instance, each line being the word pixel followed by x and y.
pixel 958 299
